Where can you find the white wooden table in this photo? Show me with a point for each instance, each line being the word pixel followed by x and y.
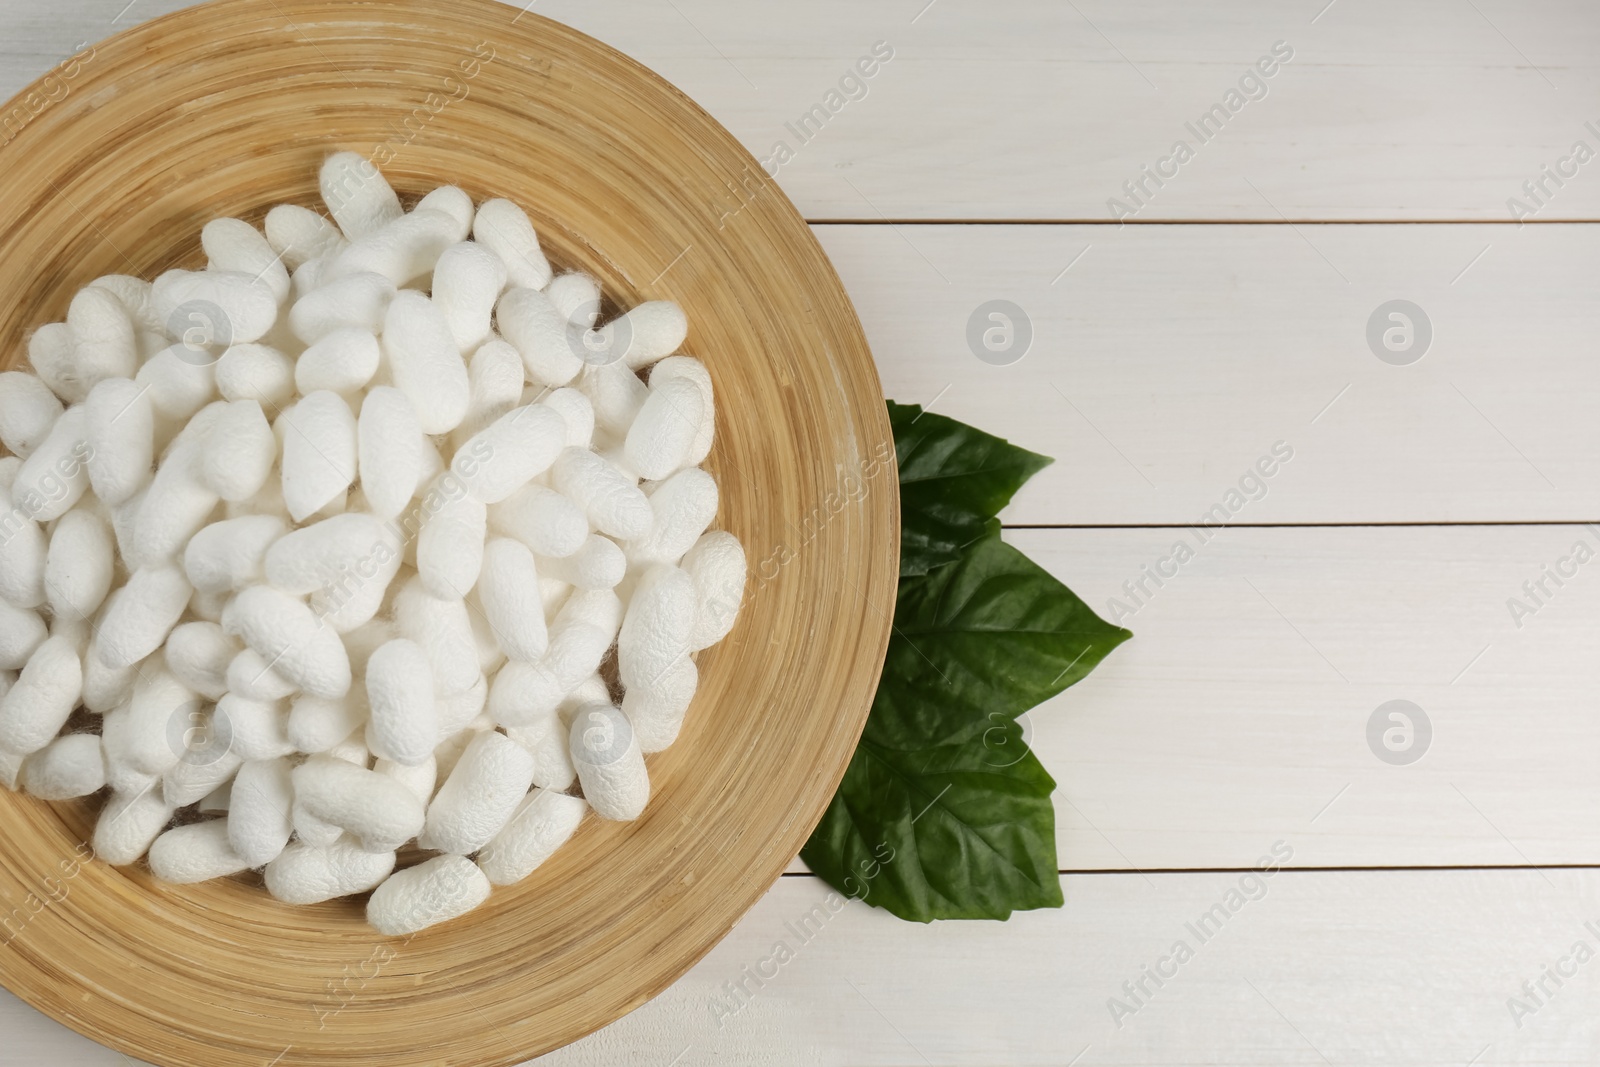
pixel 1167 357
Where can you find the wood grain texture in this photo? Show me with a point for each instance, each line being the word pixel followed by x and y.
pixel 1383 967
pixel 1030 109
pixel 1168 359
pixel 1240 710
pixel 229 108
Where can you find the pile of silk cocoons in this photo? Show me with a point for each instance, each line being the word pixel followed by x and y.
pixel 365 539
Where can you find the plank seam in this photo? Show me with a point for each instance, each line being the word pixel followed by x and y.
pixel 1294 525
pixel 1423 867
pixel 1198 222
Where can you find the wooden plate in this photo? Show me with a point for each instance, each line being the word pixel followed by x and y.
pixel 117 159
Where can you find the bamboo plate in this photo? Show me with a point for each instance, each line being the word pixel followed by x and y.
pixel 122 154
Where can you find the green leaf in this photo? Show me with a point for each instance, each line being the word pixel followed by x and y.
pixel 992 634
pixel 960 831
pixel 943 812
pixel 953 480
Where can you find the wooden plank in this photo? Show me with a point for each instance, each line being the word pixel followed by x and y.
pixel 1307 968
pixel 1167 361
pixel 1240 709
pixel 1033 109
pixel 1393 967
pixel 1239 712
